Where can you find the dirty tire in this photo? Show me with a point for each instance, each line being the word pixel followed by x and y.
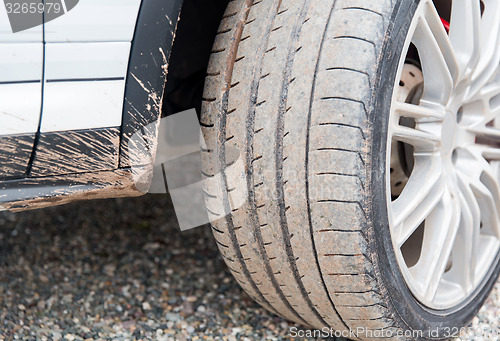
pixel 294 114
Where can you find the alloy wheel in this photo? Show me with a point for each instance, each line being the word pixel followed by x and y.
pixel 444 142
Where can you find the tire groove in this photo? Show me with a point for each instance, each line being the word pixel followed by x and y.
pixel 279 159
pixel 344 125
pixel 249 161
pixel 342 68
pixel 349 100
pixel 341 150
pixel 364 9
pixel 356 38
pixel 357 202
pixel 221 122
pixel 343 174
pixel 308 140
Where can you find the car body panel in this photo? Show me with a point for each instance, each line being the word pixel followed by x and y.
pixel 21 66
pixel 18 115
pixel 76 105
pixel 95 21
pixel 79 159
pixel 86 60
pixel 21 73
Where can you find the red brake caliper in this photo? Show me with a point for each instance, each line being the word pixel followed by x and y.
pixel 446 25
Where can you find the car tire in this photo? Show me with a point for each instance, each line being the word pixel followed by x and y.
pixel 299 95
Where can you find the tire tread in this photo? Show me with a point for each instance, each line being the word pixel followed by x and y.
pixel 322 275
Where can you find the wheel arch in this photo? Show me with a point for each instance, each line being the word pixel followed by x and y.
pixel 147 74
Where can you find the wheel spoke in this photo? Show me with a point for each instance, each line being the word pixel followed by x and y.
pixel 418 111
pixel 465 33
pixel 489 37
pixel 491 153
pixel 440 232
pixel 488 92
pixel 483 181
pixel 422 140
pixel 422 193
pixel 485 171
pixel 471 163
pixel 488 201
pixel 488 111
pixel 489 50
pixel 465 249
pixel 439 64
pixel 482 130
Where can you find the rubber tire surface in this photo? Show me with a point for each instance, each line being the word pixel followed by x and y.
pixel 298 95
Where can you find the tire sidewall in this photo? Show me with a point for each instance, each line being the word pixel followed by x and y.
pixel 411 314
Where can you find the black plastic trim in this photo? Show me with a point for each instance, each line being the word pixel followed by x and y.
pixel 85 79
pixel 21 82
pixel 33 193
pixel 147 72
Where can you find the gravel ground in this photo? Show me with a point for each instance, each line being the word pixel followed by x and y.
pixel 121 269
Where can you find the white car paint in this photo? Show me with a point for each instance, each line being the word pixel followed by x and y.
pixel 82 105
pixel 95 20
pixel 89 85
pixel 91 42
pixel 86 61
pixel 21 66
pixel 19 108
pixel 21 62
pixel 21 69
pixel 86 52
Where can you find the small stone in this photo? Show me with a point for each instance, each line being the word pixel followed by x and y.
pixel 128 324
pixel 146 306
pixel 84 329
pixel 192 299
pixel 109 269
pixel 68 298
pixel 187 308
pixel 126 291
pixel 173 317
